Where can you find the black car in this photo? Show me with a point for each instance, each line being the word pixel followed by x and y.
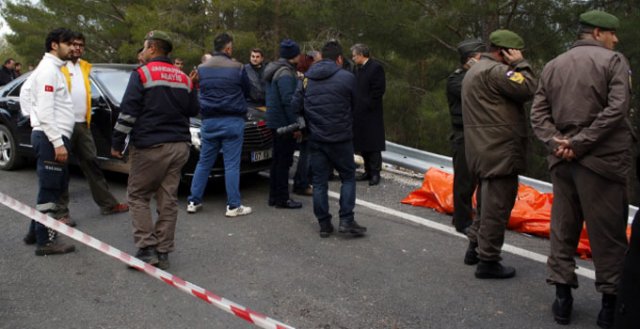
pixel 108 84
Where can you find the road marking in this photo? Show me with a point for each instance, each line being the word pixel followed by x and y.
pixel 585 272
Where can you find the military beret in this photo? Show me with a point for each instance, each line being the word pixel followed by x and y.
pixel 506 39
pixel 470 46
pixel 597 18
pixel 159 35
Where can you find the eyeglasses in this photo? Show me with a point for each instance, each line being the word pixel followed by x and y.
pixel 77 44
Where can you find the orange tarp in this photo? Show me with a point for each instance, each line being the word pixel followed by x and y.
pixel 531 213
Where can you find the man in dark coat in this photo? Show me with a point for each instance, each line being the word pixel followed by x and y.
pixel 464 183
pixel 368 121
pixel 7 72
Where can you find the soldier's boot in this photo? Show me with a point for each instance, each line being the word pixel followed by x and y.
pixel 471 256
pixel 607 312
pixel 563 305
pixel 494 270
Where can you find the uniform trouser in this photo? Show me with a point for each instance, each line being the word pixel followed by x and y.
pixel 579 195
pixel 83 149
pixel 155 171
pixel 53 179
pixel 498 197
pixel 283 148
pixel 372 162
pixel 464 184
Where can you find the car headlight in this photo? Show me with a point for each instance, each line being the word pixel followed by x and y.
pixel 195 137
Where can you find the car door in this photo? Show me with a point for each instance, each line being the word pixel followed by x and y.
pixel 101 122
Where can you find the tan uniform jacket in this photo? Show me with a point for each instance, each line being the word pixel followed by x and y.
pixel 584 95
pixel 495 126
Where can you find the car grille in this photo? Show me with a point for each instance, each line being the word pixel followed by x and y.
pixel 257 136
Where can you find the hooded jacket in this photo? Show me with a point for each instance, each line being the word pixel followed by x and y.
pixel 327 102
pixel 281 84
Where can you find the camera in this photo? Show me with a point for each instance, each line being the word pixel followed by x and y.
pixel 298 125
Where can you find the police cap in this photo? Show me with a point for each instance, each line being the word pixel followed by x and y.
pixel 597 18
pixel 506 39
pixel 469 47
pixel 159 35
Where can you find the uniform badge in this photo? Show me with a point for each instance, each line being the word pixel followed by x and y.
pixel 516 77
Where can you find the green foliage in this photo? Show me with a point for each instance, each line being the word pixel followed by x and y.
pixel 414 39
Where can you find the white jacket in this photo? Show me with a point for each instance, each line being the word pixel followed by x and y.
pixel 51 108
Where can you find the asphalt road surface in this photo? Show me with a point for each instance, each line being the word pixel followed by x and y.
pixel 401 275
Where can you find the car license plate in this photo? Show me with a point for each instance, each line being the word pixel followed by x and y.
pixel 260 155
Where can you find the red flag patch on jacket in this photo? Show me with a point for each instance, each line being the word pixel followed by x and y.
pixel 48 88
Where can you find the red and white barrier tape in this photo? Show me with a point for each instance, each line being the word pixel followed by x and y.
pixel 240 311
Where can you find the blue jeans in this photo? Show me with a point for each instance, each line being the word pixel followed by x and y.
pixel 53 180
pixel 324 157
pixel 226 134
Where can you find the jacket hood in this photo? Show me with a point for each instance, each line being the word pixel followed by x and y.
pixel 322 70
pixel 273 67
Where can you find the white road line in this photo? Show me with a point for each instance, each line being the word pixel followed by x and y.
pixel 587 273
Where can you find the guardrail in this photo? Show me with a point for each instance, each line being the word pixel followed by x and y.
pixel 420 161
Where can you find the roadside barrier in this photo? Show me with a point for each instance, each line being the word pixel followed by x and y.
pixel 226 305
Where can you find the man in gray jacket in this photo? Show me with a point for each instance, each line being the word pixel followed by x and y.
pixel 580 112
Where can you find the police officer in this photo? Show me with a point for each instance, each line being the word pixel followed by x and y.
pixel 581 113
pixel 493 93
pixel 464 184
pixel 155 112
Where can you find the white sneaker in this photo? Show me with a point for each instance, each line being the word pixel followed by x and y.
pixel 240 211
pixel 192 207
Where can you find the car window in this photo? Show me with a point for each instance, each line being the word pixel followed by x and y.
pixel 115 83
pixel 15 92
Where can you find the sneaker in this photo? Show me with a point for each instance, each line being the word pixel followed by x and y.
pixel 118 208
pixel 54 248
pixel 193 207
pixel 240 211
pixel 29 239
pixel 163 261
pixel 352 228
pixel 67 221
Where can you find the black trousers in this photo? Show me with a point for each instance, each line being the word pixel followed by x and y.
pixel 464 184
pixel 283 147
pixel 372 162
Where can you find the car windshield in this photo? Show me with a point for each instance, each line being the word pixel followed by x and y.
pixel 115 82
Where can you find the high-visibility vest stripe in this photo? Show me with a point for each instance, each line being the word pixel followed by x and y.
pixel 163 74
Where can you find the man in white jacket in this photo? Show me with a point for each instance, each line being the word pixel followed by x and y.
pixel 52 120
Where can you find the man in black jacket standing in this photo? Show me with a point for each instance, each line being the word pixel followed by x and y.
pixel 326 95
pixel 7 71
pixel 464 182
pixel 368 121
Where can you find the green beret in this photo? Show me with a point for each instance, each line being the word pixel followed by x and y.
pixel 506 39
pixel 597 18
pixel 159 35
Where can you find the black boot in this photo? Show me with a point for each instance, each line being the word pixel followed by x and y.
pixel 607 313
pixel 494 270
pixel 471 256
pixel 563 304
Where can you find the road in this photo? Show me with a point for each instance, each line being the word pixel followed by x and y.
pixel 401 275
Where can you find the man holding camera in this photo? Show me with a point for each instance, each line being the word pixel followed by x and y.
pixel 281 79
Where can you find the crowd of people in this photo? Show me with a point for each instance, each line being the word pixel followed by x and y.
pixel 330 110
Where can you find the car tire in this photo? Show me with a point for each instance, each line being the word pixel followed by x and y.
pixel 9 157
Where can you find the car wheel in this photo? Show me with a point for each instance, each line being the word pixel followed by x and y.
pixel 9 157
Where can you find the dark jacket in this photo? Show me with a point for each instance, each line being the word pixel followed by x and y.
pixel 454 92
pixel 368 119
pixel 584 95
pixel 156 106
pixel 281 80
pixel 6 75
pixel 258 86
pixel 224 87
pixel 495 124
pixel 327 102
